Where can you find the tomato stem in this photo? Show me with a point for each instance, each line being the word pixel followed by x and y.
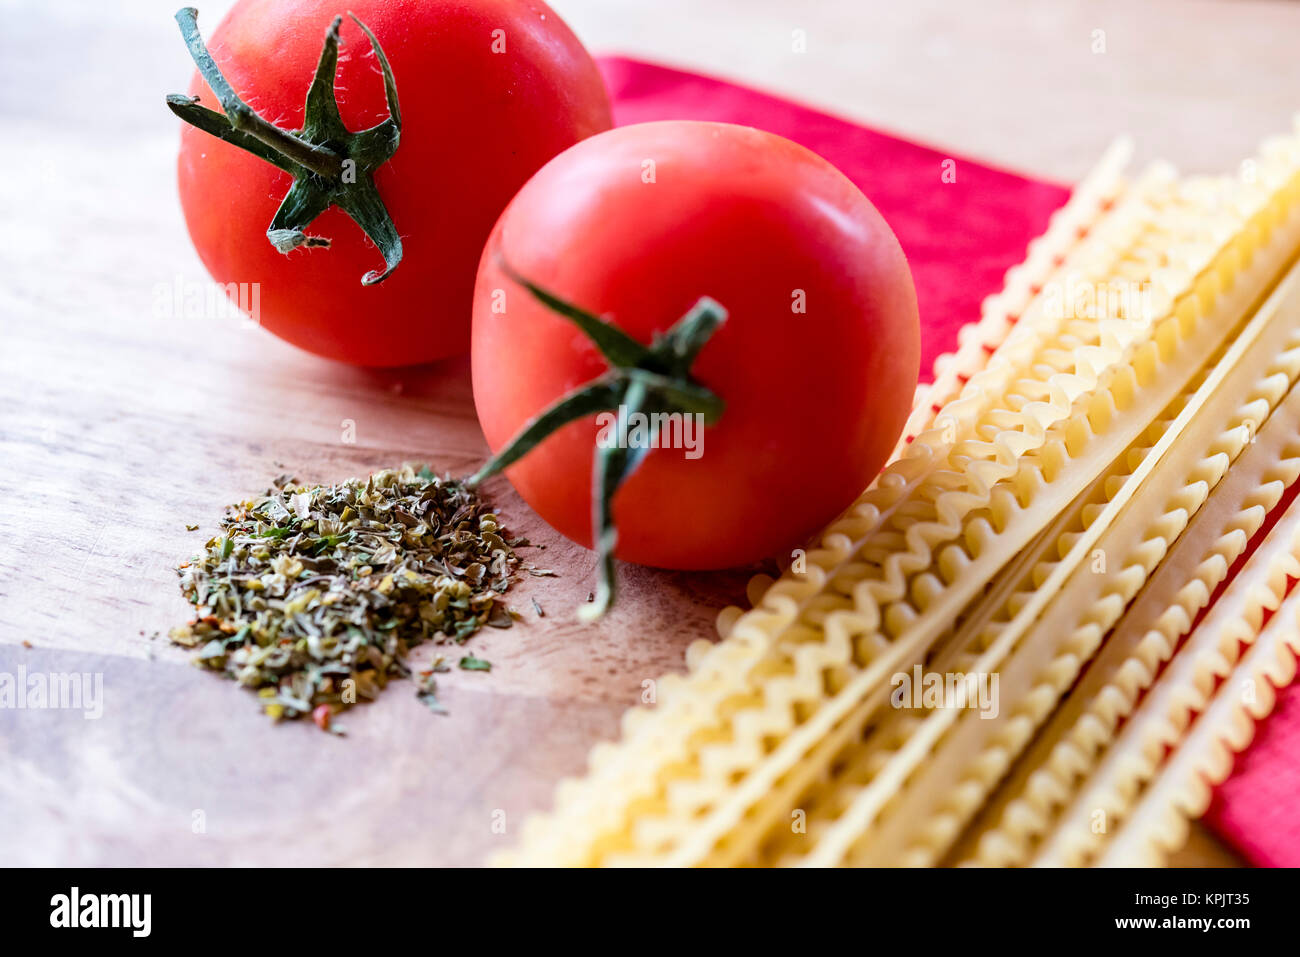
pixel 642 380
pixel 331 165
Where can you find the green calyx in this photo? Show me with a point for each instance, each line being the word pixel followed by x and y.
pixel 330 165
pixel 642 380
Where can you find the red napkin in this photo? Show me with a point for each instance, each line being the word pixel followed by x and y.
pixel 960 237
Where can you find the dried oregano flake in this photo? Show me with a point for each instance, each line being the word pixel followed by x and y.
pixel 313 596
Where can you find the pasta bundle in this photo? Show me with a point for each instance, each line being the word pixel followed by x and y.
pixel 1200 711
pixel 1073 742
pixel 1056 617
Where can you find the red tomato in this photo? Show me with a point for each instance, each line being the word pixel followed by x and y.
pixel 636 225
pixel 476 124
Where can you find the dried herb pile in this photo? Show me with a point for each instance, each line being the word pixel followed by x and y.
pixel 313 596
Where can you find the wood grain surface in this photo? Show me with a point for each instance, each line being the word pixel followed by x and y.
pixel 119 425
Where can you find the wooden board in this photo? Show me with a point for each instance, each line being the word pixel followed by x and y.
pixel 118 426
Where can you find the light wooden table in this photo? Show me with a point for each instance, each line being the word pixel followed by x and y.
pixel 118 427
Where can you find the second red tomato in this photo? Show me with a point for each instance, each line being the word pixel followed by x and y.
pixel 816 364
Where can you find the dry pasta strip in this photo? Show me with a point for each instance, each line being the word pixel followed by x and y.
pixel 830 637
pixel 1132 759
pixel 1067 748
pixel 1058 619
